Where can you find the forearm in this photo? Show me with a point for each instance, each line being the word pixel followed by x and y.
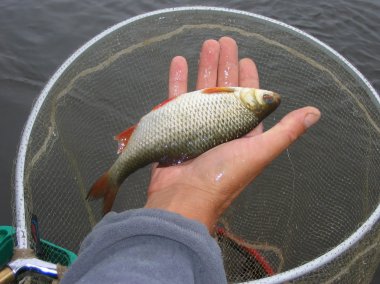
pixel 148 246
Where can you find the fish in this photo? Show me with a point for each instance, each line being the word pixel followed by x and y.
pixel 182 128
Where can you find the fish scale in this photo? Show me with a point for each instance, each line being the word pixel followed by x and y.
pixel 221 117
pixel 184 128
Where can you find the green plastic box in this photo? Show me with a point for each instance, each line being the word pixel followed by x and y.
pixel 50 252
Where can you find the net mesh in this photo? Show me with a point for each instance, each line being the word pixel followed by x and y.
pixel 308 201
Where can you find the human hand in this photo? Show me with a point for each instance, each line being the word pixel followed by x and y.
pixel 201 189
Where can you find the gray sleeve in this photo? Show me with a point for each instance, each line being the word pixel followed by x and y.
pixel 147 246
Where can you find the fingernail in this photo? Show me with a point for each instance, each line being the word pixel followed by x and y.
pixel 311 118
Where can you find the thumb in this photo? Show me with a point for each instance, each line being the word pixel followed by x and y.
pixel 246 158
pixel 273 142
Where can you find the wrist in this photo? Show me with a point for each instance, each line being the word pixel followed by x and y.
pixel 183 201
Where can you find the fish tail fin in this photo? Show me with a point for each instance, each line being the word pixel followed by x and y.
pixel 104 188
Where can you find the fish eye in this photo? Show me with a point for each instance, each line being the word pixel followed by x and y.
pixel 268 98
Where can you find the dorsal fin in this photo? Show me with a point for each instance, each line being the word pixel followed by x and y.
pixel 218 90
pixel 163 103
pixel 123 138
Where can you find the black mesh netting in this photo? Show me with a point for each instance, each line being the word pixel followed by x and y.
pixel 314 196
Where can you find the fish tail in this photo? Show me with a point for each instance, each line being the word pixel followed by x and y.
pixel 104 188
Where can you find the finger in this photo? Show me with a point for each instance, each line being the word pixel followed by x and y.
pixel 248 157
pixel 228 63
pixel 256 131
pixel 208 64
pixel 273 142
pixel 248 75
pixel 178 76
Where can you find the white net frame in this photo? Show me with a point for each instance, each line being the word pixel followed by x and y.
pixel 316 264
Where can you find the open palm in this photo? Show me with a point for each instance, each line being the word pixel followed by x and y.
pixel 202 188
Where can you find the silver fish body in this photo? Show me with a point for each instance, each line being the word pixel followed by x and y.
pixel 189 125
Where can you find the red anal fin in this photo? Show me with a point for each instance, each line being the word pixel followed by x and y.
pixel 123 138
pixel 106 189
pixel 218 90
pixel 163 103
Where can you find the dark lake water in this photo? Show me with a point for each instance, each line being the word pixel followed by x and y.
pixel 37 36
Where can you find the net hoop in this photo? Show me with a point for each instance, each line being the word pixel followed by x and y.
pixel 22 232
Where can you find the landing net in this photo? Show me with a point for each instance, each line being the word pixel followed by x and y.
pixel 313 213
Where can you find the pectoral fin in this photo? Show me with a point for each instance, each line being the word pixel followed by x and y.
pixel 123 138
pixel 167 161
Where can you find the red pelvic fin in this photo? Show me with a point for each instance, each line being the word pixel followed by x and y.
pixel 123 138
pixel 103 188
pixel 215 90
pixel 163 103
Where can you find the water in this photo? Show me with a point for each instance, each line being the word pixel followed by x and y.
pixel 37 36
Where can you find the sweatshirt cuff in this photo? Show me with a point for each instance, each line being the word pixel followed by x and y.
pixel 116 227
